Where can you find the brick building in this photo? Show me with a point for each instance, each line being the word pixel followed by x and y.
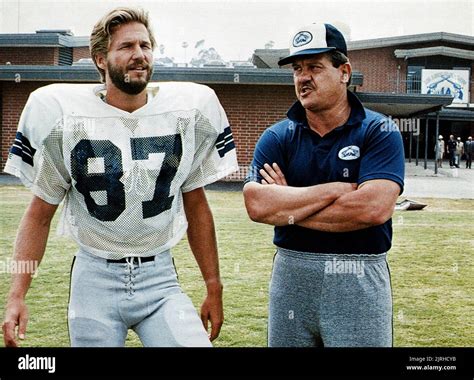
pixel 386 78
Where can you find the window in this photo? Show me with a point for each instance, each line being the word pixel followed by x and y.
pixel 414 79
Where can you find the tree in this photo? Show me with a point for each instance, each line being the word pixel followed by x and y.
pixel 269 44
pixel 207 56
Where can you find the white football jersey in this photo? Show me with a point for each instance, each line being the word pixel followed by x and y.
pixel 122 174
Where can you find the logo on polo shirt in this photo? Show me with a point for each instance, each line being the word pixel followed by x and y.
pixel 302 38
pixel 350 152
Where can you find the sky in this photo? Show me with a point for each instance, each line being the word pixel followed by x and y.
pixel 236 28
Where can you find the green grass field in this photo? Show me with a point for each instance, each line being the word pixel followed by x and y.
pixel 431 265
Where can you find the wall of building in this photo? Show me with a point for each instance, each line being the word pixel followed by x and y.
pixel 29 56
pixel 251 109
pixel 381 68
pixel 80 52
pixel 445 62
pixel 38 55
pixel 14 97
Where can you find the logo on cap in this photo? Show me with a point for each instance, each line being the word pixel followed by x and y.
pixel 302 38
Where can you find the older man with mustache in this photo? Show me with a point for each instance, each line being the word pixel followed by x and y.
pixel 327 178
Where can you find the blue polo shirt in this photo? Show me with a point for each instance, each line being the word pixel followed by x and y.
pixel 368 146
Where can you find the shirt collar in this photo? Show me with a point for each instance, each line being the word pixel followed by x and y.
pixel 297 112
pixel 101 92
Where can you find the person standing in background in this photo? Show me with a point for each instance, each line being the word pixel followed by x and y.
pixel 459 152
pixel 469 150
pixel 451 148
pixel 440 152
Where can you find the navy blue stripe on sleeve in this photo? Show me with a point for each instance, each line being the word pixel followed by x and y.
pixel 225 142
pixel 22 148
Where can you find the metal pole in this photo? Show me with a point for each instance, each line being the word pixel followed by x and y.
pixel 426 143
pixel 417 147
pixel 437 145
pixel 410 136
pixel 398 79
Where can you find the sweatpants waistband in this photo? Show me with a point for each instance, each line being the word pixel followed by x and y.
pixel 302 255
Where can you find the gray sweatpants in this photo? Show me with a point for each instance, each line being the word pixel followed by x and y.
pixel 329 300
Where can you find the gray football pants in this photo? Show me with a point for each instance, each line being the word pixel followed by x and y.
pixel 107 299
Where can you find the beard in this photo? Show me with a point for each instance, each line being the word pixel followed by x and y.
pixel 123 82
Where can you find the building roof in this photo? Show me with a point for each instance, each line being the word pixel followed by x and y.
pixel 43 38
pixel 455 114
pixel 268 58
pixel 403 105
pixel 410 39
pixel 436 50
pixel 87 72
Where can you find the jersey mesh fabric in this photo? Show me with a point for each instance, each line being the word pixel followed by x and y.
pixel 124 175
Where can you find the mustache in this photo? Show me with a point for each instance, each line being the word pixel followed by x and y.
pixel 141 64
pixel 306 85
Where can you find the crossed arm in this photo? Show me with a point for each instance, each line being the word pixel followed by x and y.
pixel 330 207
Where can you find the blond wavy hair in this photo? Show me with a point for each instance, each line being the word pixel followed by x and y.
pixel 104 28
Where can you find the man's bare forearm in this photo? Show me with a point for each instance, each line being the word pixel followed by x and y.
pixel 30 243
pixel 282 205
pixel 202 237
pixel 370 205
pixel 202 240
pixel 324 221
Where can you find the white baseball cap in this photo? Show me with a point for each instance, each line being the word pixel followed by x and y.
pixel 314 39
